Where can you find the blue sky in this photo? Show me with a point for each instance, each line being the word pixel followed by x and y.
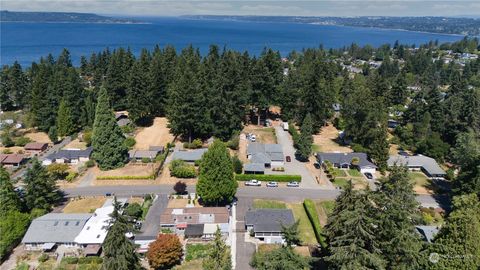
pixel 248 7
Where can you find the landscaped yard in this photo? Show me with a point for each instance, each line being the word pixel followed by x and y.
pixel 339 172
pixel 354 173
pixel 84 205
pixel 422 185
pixel 196 251
pixel 191 265
pixel 340 182
pixel 307 235
pixel 259 203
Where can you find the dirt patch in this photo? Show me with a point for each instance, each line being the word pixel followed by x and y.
pixel 84 205
pixel 177 203
pixel 138 200
pixel 156 135
pixel 242 148
pixel 13 150
pixel 37 136
pixel 263 134
pixel 325 141
pixel 303 251
pixel 128 170
pixel 76 144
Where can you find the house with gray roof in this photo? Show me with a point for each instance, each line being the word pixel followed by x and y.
pixel 266 224
pixel 189 156
pixel 254 168
pixel 422 163
pixel 54 229
pixel 344 161
pixel 72 156
pixel 266 155
pixel 138 155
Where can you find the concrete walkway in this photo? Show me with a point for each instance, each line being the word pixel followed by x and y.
pixel 86 179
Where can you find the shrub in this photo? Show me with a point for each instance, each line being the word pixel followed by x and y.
pixel 7 151
pixel 234 142
pixel 195 144
pixel 127 129
pixel 269 177
pixel 237 165
pixel 71 176
pixel 7 140
pixel 127 177
pixel 87 137
pixel 146 160
pixel 180 169
pixel 58 170
pixel 90 163
pixel 70 260
pixel 22 141
pixel 129 142
pixel 133 210
pixel 43 258
pixel 311 210
pixel 180 187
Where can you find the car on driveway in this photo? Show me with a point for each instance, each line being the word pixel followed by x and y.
pixel 272 184
pixel 368 175
pixel 288 158
pixel 293 184
pixel 253 183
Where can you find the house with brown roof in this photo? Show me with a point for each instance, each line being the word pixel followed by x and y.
pixel 35 147
pixel 11 160
pixel 196 222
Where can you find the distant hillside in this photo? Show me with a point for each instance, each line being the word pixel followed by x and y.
pixel 443 25
pixel 64 17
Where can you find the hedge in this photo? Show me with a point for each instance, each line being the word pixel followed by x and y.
pixel 311 210
pixel 127 177
pixel 269 177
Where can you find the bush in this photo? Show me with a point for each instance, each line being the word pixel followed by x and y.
pixel 311 210
pixel 129 142
pixel 180 169
pixel 195 144
pixel 90 163
pixel 87 137
pixel 70 260
pixel 7 140
pixel 43 258
pixel 237 165
pixel 269 177
pixel 146 160
pixel 58 170
pixel 22 141
pixel 133 210
pixel 180 187
pixel 127 177
pixel 234 142
pixel 128 129
pixel 90 260
pixel 71 176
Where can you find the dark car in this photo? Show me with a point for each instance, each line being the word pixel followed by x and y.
pixel 368 175
pixel 288 158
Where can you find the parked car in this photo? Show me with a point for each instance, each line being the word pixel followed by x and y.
pixel 368 175
pixel 253 183
pixel 288 158
pixel 293 184
pixel 272 184
pixel 253 138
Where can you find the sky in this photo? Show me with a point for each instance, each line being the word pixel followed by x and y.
pixel 249 7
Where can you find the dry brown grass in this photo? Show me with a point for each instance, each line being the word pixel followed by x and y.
pixel 263 134
pixel 76 144
pixel 13 149
pixel 128 170
pixel 325 140
pixel 177 203
pixel 158 134
pixel 84 205
pixel 138 200
pixel 37 136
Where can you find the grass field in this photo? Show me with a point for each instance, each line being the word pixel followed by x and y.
pixel 84 205
pixel 307 236
pixel 419 179
pixel 196 251
pixel 340 182
pixel 259 203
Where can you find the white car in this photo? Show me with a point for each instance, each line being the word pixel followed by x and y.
pixel 253 138
pixel 272 184
pixel 293 184
pixel 253 183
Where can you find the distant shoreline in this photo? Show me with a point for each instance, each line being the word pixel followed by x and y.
pixel 76 22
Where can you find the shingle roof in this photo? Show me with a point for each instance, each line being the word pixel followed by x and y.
pixel 55 228
pixel 11 158
pixel 427 163
pixel 254 167
pixel 71 154
pixel 194 230
pixel 35 146
pixel 142 154
pixel 269 220
pixel 196 215
pixel 189 155
pixel 258 151
pixel 260 158
pixel 345 158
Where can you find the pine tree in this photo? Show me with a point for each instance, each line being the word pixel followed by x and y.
pixel 139 98
pixel 218 257
pixel 108 149
pixel 305 140
pixel 9 200
pixel 41 190
pixel 65 125
pixel 466 154
pixel 216 182
pixel 118 251
pixel 6 102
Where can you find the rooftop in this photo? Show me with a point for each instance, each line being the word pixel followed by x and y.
pixel 35 146
pixel 427 163
pixel 265 153
pixel 11 158
pixel 269 220
pixel 71 154
pixel 195 215
pixel 142 154
pixel 192 155
pixel 345 158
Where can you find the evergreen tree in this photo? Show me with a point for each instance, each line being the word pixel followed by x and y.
pixel 305 140
pixel 6 102
pixel 291 234
pixel 65 125
pixel 108 149
pixel 284 258
pixel 40 191
pixel 216 181
pixel 118 251
pixel 52 134
pixel 467 155
pixel 9 200
pixel 139 97
pixel 218 257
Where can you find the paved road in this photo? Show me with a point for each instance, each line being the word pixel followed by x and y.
pixel 151 225
pixel 295 166
pixel 280 193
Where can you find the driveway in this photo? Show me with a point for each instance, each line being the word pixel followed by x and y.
pixel 295 166
pixel 151 225
pixel 244 250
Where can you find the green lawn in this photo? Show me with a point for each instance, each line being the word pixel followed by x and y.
pixel 327 206
pixel 339 173
pixel 191 265
pixel 259 203
pixel 354 173
pixel 316 148
pixel 307 236
pixel 340 182
pixel 196 251
pixel 419 179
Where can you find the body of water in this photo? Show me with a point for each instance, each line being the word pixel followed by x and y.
pixel 27 42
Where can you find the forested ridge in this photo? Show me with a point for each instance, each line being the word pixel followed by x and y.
pixel 214 95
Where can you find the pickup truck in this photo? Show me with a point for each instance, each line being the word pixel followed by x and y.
pixel 253 183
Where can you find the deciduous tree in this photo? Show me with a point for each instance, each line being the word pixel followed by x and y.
pixel 165 252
